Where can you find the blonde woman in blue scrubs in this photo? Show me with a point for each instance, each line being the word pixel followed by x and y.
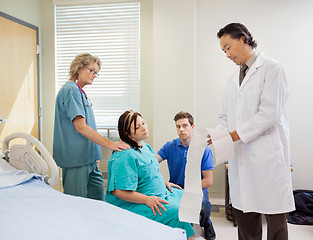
pixel 76 143
pixel 134 180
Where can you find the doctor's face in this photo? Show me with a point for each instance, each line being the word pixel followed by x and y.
pixel 184 128
pixel 236 49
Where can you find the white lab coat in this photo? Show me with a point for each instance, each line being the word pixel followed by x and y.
pixel 259 172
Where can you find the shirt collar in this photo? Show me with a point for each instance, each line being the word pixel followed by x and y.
pixel 252 60
pixel 178 142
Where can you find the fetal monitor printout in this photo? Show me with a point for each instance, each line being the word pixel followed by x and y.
pixel 223 145
pixel 191 202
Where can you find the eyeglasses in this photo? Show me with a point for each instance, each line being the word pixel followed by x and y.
pixel 93 72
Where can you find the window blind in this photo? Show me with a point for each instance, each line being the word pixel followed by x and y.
pixel 110 31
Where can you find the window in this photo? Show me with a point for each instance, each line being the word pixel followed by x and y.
pixel 110 31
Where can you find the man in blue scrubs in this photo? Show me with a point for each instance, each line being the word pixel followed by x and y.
pixel 175 152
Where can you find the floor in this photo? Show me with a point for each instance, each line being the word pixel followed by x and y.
pixel 225 230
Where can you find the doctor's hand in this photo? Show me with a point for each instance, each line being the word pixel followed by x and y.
pixel 169 186
pixel 155 203
pixel 117 146
pixel 234 135
pixel 209 139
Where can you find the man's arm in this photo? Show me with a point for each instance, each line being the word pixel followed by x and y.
pixel 158 157
pixel 207 179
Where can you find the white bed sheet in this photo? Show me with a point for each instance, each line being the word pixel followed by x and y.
pixel 10 176
pixel 33 210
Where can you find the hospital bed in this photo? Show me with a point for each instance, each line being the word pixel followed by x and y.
pixel 31 209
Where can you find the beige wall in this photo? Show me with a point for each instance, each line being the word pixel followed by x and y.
pixel 174 69
pixel 146 91
pixel 48 73
pixel 28 11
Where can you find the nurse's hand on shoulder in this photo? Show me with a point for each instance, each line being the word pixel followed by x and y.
pixel 118 146
pixel 169 186
pixel 155 203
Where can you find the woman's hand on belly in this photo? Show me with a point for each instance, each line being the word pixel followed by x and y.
pixel 155 203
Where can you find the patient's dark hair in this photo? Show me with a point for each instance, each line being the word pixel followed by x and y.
pixel 124 124
pixel 236 31
pixel 182 115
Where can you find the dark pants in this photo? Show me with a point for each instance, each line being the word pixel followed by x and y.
pixel 205 209
pixel 250 226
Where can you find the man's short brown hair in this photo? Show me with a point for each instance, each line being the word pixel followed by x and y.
pixel 182 115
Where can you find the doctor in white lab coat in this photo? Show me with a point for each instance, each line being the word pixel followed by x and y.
pixel 254 113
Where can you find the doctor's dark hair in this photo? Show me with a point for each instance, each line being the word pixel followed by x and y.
pixel 124 123
pixel 82 61
pixel 182 115
pixel 236 31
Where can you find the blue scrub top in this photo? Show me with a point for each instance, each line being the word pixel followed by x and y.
pixel 70 148
pixel 176 155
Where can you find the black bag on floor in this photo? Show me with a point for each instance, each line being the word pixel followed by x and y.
pixel 303 214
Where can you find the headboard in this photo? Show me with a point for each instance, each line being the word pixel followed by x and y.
pixel 27 158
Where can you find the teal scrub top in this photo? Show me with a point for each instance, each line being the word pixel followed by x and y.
pixel 70 148
pixel 139 171
pixel 135 171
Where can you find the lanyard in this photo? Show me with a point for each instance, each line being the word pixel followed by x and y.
pixel 81 89
pixel 89 102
